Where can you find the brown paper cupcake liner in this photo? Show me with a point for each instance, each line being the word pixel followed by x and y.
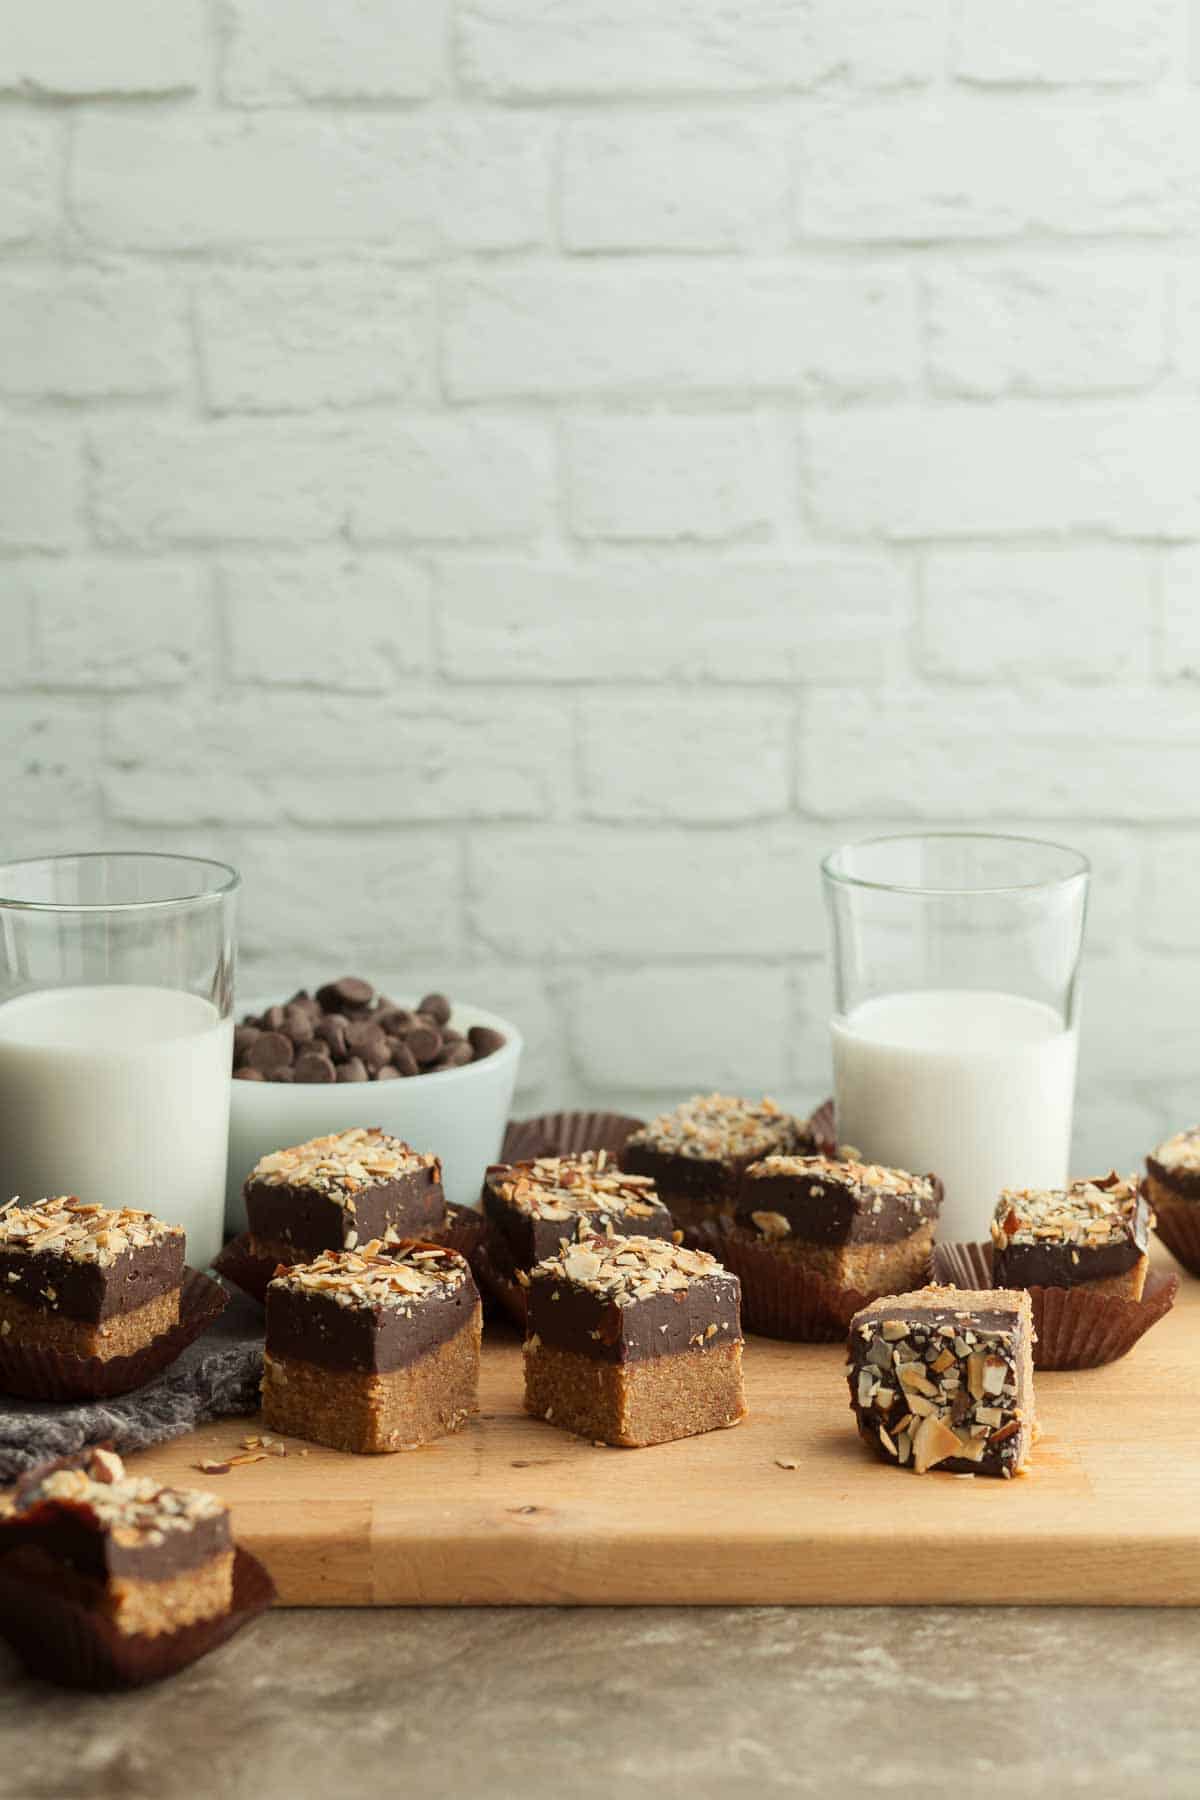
pixel 780 1298
pixel 498 1284
pixel 567 1134
pixel 239 1264
pixel 1179 1230
pixel 61 1641
pixel 821 1124
pixel 1075 1329
pixel 37 1373
pixel 462 1230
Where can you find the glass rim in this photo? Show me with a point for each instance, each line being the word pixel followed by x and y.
pixel 1081 871
pixel 229 882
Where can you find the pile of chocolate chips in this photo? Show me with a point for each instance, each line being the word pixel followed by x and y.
pixel 348 1032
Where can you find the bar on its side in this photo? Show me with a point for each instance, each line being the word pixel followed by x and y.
pixel 943 1379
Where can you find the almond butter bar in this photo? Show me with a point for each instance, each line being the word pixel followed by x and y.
pixel 147 1558
pixel 372 1350
pixel 1092 1233
pixel 87 1280
pixel 336 1192
pixel 1173 1190
pixel 532 1207
pixel 696 1154
pixel 943 1379
pixel 634 1341
pixel 856 1225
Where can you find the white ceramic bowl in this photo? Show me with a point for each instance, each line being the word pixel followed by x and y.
pixel 460 1114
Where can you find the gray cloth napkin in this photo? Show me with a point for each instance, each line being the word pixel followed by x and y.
pixel 216 1377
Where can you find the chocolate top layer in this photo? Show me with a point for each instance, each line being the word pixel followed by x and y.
pixel 342 1166
pixel 87 1511
pixel 85 1261
pixel 536 1205
pixel 371 1310
pixel 1062 1237
pixel 717 1127
pixel 937 1378
pixel 629 1299
pixel 1176 1163
pixel 826 1200
pixel 334 1193
pixel 81 1231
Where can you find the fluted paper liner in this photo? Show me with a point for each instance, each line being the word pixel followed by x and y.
pixel 462 1229
pixel 1075 1329
pixel 567 1134
pixel 1179 1230
pixel 37 1373
pixel 780 1298
pixel 62 1641
pixel 497 1283
pixel 824 1130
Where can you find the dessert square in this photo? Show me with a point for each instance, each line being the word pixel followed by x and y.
pixel 336 1192
pixel 373 1350
pixel 696 1154
pixel 533 1206
pixel 634 1341
pixel 147 1558
pixel 87 1280
pixel 943 1379
pixel 1173 1191
pixel 1092 1233
pixel 856 1225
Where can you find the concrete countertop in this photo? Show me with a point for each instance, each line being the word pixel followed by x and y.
pixel 594 1704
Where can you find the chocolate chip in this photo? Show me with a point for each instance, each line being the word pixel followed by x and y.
pixel 484 1041
pixel 375 1049
pixel 248 1075
pixel 332 1031
pixel 312 1066
pixel 298 1024
pixel 269 1051
pixel 348 994
pixel 345 1031
pixel 424 1041
pixel 395 1020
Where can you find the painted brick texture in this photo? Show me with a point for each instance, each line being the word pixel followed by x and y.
pixel 523 479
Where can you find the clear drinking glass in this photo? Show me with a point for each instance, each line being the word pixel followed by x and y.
pixel 956 1010
pixel 116 1034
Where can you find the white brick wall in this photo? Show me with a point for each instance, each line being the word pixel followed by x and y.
pixel 523 477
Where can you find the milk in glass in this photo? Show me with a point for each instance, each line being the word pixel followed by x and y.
pixel 121 1095
pixel 976 1086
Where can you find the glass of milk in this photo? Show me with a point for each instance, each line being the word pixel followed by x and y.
pixel 956 1010
pixel 116 1034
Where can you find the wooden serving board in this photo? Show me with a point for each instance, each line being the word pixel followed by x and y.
pixel 513 1511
